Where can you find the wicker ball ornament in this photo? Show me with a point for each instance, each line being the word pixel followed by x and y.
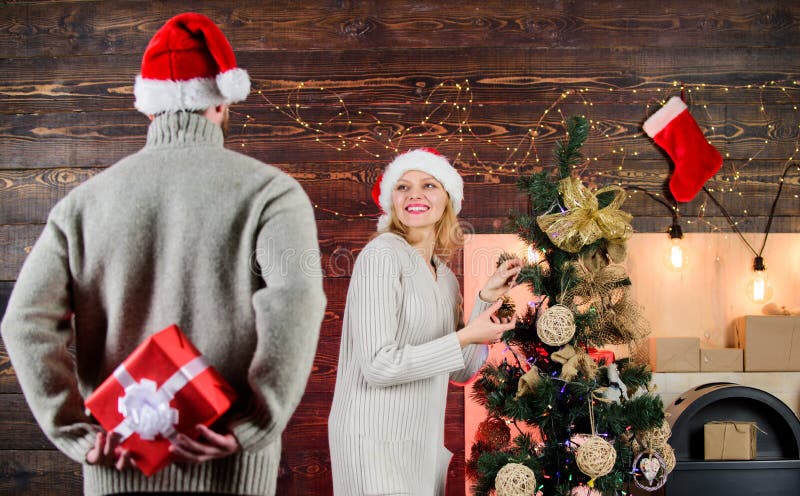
pixel 556 326
pixel 493 432
pixel 596 457
pixel 515 479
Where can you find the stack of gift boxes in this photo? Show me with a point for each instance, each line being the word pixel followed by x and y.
pixel 764 343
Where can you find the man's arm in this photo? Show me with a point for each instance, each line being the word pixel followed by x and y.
pixel 36 331
pixel 289 312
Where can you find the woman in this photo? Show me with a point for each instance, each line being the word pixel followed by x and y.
pixel 402 338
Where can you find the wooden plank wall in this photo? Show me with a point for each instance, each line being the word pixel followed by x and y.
pixel 66 113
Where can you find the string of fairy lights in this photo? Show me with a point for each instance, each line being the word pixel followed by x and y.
pixel 446 123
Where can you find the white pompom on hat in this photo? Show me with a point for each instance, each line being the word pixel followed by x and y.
pixel 189 65
pixel 427 160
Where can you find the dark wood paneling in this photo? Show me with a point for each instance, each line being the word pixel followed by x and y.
pixel 38 473
pixel 400 76
pixel 18 429
pixel 81 28
pixel 15 243
pixel 5 293
pixel 8 378
pixel 306 471
pixel 496 135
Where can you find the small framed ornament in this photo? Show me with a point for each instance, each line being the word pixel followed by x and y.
pixel 668 454
pixel 649 470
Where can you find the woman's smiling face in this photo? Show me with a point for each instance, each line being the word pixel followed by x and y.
pixel 419 200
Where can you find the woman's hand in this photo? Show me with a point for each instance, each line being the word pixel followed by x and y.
pixel 503 279
pixel 486 328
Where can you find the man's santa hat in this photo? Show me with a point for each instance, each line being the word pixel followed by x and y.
pixel 427 160
pixel 189 65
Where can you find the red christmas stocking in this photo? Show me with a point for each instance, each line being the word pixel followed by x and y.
pixel 674 129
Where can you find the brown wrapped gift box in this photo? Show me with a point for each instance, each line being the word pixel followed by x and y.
pixel 770 342
pixel 675 354
pixel 721 360
pixel 728 440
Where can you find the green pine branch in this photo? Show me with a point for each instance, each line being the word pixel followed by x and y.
pixel 568 153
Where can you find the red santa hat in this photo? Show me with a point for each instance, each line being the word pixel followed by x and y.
pixel 189 65
pixel 427 160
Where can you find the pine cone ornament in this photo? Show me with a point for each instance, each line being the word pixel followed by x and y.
pixel 507 309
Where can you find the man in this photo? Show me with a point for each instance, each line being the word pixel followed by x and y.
pixel 182 232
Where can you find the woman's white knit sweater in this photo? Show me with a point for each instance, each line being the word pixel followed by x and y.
pixel 398 351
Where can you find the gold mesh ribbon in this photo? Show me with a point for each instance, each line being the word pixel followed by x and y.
pixel 610 251
pixel 528 382
pixel 584 222
pixel 575 362
pixel 607 292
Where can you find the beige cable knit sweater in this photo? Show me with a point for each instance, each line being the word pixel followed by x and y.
pixel 398 351
pixel 182 232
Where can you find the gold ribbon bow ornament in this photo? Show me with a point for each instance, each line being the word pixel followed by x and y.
pixel 584 222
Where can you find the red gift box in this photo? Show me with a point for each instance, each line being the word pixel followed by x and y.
pixel 598 355
pixel 164 387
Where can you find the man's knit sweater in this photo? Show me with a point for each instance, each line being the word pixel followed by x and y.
pixel 182 232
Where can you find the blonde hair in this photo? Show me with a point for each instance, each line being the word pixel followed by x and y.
pixel 449 236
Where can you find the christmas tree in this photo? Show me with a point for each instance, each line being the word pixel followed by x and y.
pixel 565 418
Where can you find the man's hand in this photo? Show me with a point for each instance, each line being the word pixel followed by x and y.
pixel 209 446
pixel 107 452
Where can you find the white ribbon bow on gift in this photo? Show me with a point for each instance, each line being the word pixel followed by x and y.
pixel 145 409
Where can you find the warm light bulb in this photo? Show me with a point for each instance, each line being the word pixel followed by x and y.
pixel 759 290
pixel 675 257
pixel 538 258
pixel 534 255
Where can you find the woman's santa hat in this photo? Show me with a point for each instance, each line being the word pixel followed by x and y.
pixel 189 65
pixel 427 160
